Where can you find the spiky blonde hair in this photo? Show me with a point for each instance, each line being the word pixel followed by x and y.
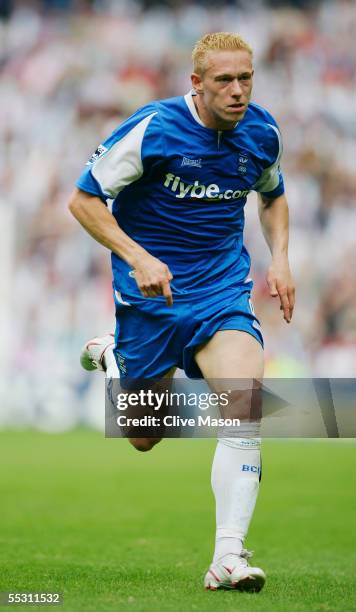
pixel 223 41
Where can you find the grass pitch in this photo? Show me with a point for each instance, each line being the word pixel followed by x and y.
pixel 114 529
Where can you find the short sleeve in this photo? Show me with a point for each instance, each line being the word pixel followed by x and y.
pixel 118 161
pixel 271 181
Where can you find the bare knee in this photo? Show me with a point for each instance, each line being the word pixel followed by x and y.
pixel 144 444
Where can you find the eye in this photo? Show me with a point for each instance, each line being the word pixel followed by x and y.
pixel 224 79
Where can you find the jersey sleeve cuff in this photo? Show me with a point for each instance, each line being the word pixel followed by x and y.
pixel 275 193
pixel 91 185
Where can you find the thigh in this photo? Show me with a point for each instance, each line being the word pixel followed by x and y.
pixel 232 361
pixel 228 332
pixel 232 354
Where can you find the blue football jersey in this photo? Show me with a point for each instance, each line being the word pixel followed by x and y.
pixel 179 189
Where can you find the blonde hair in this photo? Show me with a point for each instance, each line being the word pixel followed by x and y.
pixel 223 41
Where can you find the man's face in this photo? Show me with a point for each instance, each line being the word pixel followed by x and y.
pixel 224 88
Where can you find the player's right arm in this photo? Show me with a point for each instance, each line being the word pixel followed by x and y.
pixel 116 164
pixel 152 275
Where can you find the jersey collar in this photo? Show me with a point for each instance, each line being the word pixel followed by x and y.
pixel 190 103
pixel 191 106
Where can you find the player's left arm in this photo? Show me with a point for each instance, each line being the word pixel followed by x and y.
pixel 274 218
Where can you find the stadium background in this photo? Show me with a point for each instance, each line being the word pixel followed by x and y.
pixel 70 72
pixel 112 528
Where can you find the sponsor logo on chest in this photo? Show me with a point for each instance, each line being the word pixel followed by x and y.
pixel 197 190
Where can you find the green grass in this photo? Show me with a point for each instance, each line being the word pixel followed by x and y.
pixel 114 529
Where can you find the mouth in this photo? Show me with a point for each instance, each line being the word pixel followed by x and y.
pixel 238 107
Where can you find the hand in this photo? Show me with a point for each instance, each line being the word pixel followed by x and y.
pixel 152 277
pixel 280 283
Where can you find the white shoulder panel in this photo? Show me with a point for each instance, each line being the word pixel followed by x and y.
pixel 122 164
pixel 269 178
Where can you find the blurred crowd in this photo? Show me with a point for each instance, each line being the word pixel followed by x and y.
pixel 70 72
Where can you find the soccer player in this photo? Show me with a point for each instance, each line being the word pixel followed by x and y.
pixel 179 172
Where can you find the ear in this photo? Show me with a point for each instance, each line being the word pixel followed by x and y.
pixel 197 83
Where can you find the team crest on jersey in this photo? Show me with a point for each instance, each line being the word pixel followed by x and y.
pixel 242 160
pixel 98 153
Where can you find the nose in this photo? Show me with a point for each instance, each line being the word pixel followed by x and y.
pixel 236 89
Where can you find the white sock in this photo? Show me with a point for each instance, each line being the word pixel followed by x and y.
pixel 110 365
pixel 235 482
